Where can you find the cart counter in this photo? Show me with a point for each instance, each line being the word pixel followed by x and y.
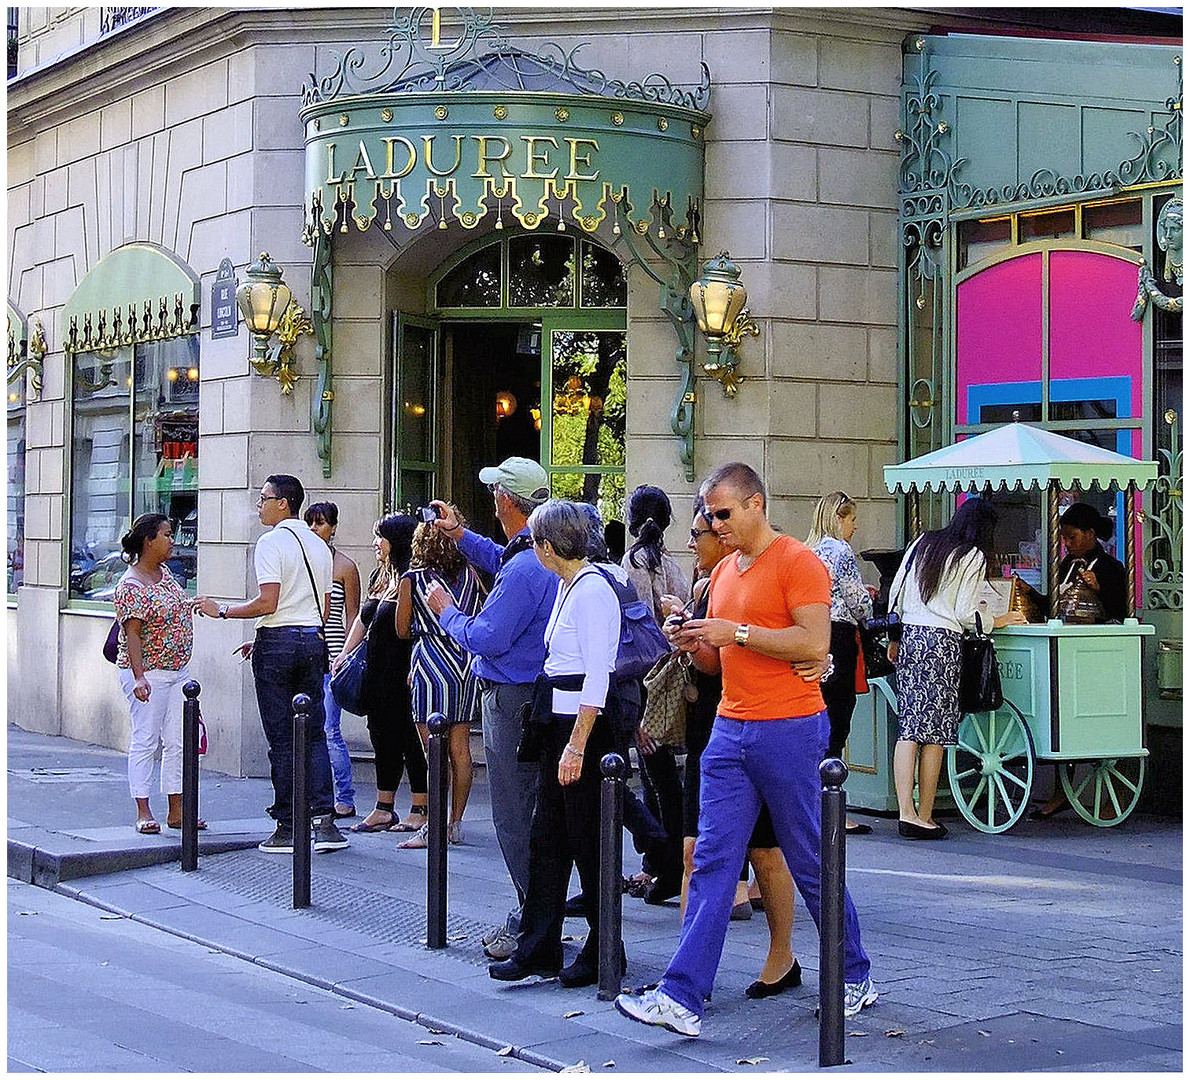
pixel 1078 687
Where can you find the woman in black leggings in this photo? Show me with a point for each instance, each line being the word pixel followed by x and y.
pixel 394 738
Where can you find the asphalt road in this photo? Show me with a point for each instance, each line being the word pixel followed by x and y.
pixel 94 992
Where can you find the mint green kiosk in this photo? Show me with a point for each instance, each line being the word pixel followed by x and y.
pixel 1072 693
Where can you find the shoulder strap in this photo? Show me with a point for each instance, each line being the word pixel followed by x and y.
pixel 313 584
pixel 515 546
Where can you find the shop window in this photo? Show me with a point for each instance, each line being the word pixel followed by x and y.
pixel 541 272
pixel 980 239
pixel 16 484
pixel 1050 225
pixel 603 282
pixel 1117 223
pixel 474 283
pixel 134 451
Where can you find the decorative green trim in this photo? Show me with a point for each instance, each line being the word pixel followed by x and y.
pixel 1163 587
pixel 680 256
pixel 321 293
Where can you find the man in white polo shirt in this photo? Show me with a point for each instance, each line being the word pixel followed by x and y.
pixel 293 573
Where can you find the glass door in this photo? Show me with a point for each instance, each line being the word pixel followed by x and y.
pixel 415 406
pixel 584 371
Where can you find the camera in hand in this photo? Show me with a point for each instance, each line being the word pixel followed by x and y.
pixel 426 514
pixel 874 635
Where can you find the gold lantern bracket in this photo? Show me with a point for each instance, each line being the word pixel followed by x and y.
pixel 280 359
pixel 720 308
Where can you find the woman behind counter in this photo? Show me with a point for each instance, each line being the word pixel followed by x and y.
pixel 1082 528
pixel 582 637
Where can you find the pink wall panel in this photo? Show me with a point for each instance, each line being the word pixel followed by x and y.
pixel 998 327
pixel 1091 331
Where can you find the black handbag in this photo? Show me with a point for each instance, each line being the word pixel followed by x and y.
pixel 349 683
pixel 979 679
pixel 111 644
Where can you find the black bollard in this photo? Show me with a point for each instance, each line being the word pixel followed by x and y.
pixel 190 776
pixel 830 925
pixel 301 801
pixel 611 872
pixel 436 840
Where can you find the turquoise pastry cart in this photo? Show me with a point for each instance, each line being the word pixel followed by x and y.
pixel 1072 694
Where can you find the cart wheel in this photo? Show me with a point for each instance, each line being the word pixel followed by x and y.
pixel 991 768
pixel 1104 791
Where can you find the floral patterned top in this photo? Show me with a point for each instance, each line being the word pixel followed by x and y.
pixel 850 600
pixel 167 622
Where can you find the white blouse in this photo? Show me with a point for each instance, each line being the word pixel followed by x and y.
pixel 582 637
pixel 954 606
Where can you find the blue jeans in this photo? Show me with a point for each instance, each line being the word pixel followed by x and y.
pixel 336 748
pixel 290 660
pixel 745 762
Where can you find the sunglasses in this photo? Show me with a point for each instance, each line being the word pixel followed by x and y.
pixel 696 533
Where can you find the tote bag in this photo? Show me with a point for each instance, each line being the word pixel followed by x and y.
pixel 979 681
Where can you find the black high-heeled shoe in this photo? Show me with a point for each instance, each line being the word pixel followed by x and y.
pixel 791 978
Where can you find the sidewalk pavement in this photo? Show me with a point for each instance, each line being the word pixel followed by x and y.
pixel 1057 946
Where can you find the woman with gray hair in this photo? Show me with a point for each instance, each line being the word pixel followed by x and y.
pixel 582 637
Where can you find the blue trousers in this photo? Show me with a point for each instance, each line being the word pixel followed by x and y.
pixel 744 763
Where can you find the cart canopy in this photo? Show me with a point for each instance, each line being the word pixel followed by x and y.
pixel 1018 455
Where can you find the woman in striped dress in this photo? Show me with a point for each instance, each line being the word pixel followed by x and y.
pixel 323 519
pixel 440 675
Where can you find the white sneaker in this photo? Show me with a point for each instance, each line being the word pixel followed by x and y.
pixel 657 1007
pixel 857 996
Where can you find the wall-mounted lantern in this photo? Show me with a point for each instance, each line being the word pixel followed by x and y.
pixel 265 303
pixel 720 305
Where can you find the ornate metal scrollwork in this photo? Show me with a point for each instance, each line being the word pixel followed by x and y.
pixel 676 247
pixel 320 313
pixel 1163 544
pixel 27 356
pixel 280 360
pixel 410 61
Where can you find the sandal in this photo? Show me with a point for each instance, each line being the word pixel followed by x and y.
pixel 147 827
pixel 383 826
pixel 639 884
pixel 201 824
pixel 419 839
pixel 454 832
pixel 410 826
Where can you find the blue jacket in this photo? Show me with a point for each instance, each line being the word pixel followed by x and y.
pixel 507 637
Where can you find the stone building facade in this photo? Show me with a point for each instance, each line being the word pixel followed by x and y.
pixel 148 148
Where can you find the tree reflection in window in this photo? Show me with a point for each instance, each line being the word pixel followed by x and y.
pixel 475 282
pixel 588 422
pixel 540 271
pixel 603 278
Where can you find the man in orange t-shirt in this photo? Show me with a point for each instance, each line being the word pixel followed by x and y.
pixel 769 611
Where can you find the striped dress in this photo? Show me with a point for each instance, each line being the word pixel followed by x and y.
pixel 336 629
pixel 441 676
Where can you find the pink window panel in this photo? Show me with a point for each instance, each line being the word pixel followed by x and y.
pixel 1091 329
pixel 998 321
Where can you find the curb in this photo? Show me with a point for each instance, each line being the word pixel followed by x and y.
pixel 433 1024
pixel 45 868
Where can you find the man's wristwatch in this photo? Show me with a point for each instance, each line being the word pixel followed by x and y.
pixel 223 611
pixel 741 634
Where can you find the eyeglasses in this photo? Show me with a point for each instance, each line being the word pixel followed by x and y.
pixel 262 499
pixel 696 533
pixel 494 488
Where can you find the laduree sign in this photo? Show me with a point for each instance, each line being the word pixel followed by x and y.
pixel 468 138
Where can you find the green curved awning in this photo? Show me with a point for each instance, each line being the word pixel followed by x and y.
pixel 139 292
pixel 439 133
pixel 1018 455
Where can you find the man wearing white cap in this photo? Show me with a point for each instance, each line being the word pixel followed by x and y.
pixel 507 639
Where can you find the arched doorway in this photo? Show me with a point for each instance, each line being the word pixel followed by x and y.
pixel 523 351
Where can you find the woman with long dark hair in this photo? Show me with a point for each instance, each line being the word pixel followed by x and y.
pixel 655 573
pixel 156 638
pixel 394 739
pixel 936 593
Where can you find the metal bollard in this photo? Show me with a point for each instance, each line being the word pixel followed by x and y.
pixel 301 801
pixel 830 925
pixel 436 840
pixel 611 860
pixel 190 776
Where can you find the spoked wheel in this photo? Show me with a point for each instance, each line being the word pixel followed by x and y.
pixel 991 768
pixel 1105 791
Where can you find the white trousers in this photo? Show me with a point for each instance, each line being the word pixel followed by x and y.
pixel 156 722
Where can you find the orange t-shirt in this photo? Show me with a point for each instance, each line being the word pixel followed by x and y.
pixel 788 575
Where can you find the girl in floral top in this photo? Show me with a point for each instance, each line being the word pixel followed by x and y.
pixel 830 539
pixel 156 638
